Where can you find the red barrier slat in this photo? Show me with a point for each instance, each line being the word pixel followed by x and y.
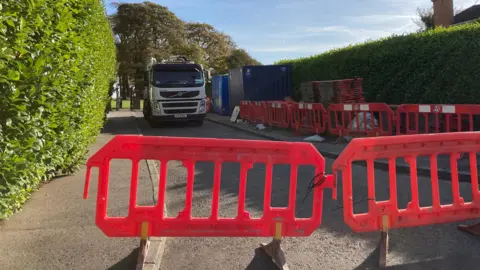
pixel 409 147
pixel 433 118
pixel 218 151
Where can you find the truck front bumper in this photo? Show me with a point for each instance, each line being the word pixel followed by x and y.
pixel 172 118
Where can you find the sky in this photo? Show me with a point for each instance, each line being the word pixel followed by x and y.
pixel 272 30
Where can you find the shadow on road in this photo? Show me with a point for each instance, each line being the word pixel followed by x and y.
pixel 457 261
pixel 127 263
pixel 261 261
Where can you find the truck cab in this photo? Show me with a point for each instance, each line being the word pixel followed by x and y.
pixel 175 92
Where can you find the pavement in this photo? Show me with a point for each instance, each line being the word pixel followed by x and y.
pixel 56 229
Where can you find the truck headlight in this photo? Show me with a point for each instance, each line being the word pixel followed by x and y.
pixel 157 106
pixel 201 108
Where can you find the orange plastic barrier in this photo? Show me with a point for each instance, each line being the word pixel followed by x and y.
pixel 368 119
pixel 279 113
pixel 431 118
pixel 311 117
pixel 246 110
pixel 209 104
pixel 189 151
pixel 386 214
pixel 259 112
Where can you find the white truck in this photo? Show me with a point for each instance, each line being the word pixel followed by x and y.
pixel 175 92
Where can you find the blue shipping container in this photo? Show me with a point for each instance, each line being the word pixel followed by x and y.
pixel 263 83
pixel 220 95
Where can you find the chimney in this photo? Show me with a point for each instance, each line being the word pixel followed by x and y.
pixel 443 12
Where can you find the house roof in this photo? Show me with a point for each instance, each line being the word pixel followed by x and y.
pixel 468 14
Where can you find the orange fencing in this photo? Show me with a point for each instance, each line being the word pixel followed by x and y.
pixel 259 112
pixel 275 221
pixel 310 117
pixel 246 112
pixel 428 118
pixel 386 214
pixel 361 119
pixel 208 105
pixel 147 221
pixel 278 114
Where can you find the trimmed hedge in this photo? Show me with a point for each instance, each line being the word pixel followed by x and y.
pixel 437 66
pixel 57 58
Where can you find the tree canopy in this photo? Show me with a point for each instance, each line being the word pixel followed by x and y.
pixel 145 30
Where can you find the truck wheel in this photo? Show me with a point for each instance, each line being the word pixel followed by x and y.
pixel 145 111
pixel 153 124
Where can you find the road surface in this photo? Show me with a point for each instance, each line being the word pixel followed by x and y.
pixel 332 246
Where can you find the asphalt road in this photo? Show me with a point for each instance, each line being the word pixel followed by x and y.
pixel 332 246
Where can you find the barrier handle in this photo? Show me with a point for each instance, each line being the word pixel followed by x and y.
pixel 333 180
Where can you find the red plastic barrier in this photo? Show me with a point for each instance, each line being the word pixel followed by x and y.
pixel 279 113
pixel 209 104
pixel 431 118
pixel 189 151
pixel 259 112
pixel 310 117
pixel 353 119
pixel 386 214
pixel 246 110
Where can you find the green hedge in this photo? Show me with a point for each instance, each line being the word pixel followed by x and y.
pixel 57 58
pixel 437 66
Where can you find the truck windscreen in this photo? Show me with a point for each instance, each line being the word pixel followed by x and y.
pixel 177 78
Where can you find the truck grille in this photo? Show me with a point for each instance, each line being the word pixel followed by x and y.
pixel 179 94
pixel 179 104
pixel 177 111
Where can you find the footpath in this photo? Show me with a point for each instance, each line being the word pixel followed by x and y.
pixel 56 228
pixel 329 148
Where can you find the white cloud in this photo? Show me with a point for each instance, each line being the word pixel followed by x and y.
pixel 380 19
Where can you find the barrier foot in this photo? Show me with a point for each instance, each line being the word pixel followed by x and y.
pixel 142 253
pixel 274 250
pixel 144 245
pixel 472 229
pixel 383 249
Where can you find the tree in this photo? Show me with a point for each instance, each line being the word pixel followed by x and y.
pixel 216 45
pixel 239 58
pixel 426 19
pixel 146 30
pixel 143 31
